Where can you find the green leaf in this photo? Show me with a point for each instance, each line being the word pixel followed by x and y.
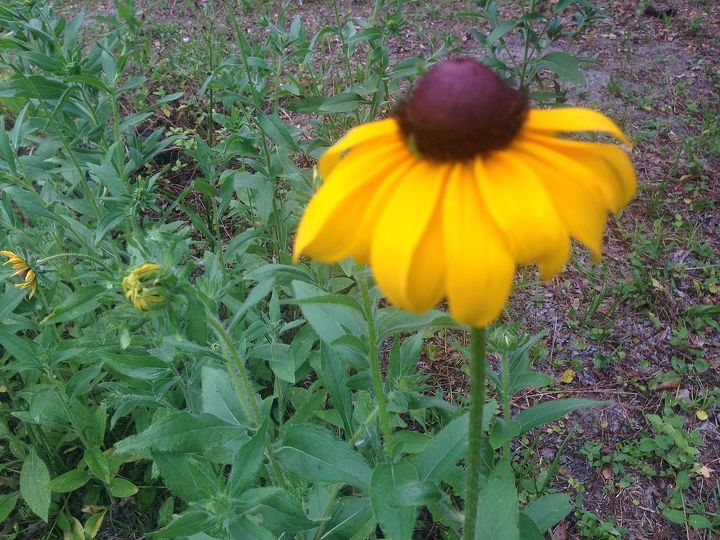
pixel 328 298
pixel 69 481
pixel 187 477
pixel 444 451
pixel 7 504
pixel 418 493
pixel 317 455
pixel 278 131
pixel 341 103
pixel 33 86
pixel 498 511
pixel 499 31
pixel 503 431
pixel 528 529
pixel 135 363
pixel 698 521
pixel 393 321
pixel 549 510
pixel 220 398
pixel 181 432
pixel 30 204
pixel 564 65
pixel 93 524
pixel 280 511
pixel 186 524
pixel 119 487
pixel 674 516
pixel 242 527
pixel 82 301
pixel 247 461
pixel 682 481
pixel 335 378
pixel 543 413
pixel 34 485
pixel 277 355
pixel 98 464
pixel 350 518
pixel 330 321
pixel 397 522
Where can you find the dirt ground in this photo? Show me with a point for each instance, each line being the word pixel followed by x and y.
pixel 626 325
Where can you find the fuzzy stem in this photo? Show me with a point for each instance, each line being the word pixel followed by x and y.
pixel 237 368
pixel 477 402
pixel 374 361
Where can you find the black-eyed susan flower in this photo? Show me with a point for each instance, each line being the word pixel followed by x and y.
pixel 464 183
pixel 23 270
pixel 140 286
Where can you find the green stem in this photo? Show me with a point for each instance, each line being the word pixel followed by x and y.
pixel 374 361
pixel 376 11
pixel 528 29
pixel 247 398
pixel 477 402
pixel 74 255
pixel 506 398
pixel 237 368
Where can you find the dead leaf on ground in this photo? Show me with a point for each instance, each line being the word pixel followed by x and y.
pixel 560 532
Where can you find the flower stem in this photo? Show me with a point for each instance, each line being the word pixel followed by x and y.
pixel 237 368
pixel 477 402
pixel 374 361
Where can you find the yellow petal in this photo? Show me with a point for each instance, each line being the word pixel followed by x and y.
pixel 479 269
pixel 611 165
pixel 523 211
pixel 572 120
pixel 382 129
pixel 327 229
pixel 426 278
pixel 365 228
pixel 399 233
pixel 578 199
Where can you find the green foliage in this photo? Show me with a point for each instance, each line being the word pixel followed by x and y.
pixel 543 73
pixel 241 404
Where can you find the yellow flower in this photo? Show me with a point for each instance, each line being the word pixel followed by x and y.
pixel 23 270
pixel 139 286
pixel 462 185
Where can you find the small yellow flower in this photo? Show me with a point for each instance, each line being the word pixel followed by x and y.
pixel 568 376
pixel 465 183
pixel 23 270
pixel 139 287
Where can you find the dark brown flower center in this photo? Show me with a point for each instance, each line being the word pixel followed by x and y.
pixel 460 109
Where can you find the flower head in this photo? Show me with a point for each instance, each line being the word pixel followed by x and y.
pixel 23 270
pixel 447 198
pixel 139 286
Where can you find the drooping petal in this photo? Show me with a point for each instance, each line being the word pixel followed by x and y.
pixel 479 269
pixel 326 231
pixel 521 208
pixel 611 169
pixel 387 129
pixel 580 204
pixel 400 232
pixel 426 278
pixel 572 120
